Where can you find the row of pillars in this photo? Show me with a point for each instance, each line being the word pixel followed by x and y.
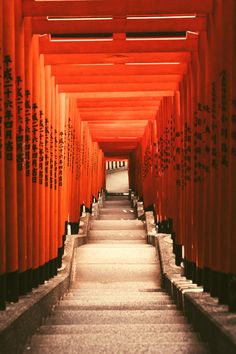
pixel 112 165
pixel 49 165
pixel 188 155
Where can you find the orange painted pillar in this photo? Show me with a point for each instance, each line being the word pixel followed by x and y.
pixel 47 123
pixel 35 161
pixel 28 146
pixel 232 147
pixel 56 142
pixel 226 138
pixel 41 170
pixel 52 241
pixel 61 179
pixel 3 268
pixel 20 143
pixel 10 149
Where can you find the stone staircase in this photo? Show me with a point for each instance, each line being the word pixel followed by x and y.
pixel 115 303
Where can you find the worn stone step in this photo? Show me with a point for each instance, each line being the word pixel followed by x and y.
pixel 117 225
pixel 123 272
pixel 117 234
pixel 106 254
pixel 89 347
pixel 118 286
pixel 114 296
pixel 118 211
pixel 117 242
pixel 124 336
pixel 116 317
pixel 117 197
pixel 116 216
pixel 113 304
pixel 101 328
pixel 118 203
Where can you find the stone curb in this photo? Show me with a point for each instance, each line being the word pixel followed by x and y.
pixel 19 321
pixel 215 323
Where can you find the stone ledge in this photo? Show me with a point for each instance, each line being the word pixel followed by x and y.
pixel 215 323
pixel 21 319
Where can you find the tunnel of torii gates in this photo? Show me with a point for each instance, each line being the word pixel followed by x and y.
pixel 149 81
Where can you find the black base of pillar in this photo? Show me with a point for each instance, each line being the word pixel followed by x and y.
pixel 35 278
pixel 188 267
pixel 53 267
pixel 41 274
pixel 178 254
pixel 3 291
pixel 23 283
pixel 206 279
pixel 149 208
pixel 223 280
pixel 47 277
pixel 88 210
pixel 12 280
pixel 194 272
pixel 173 237
pixel 29 280
pixel 199 276
pixel 74 228
pixel 213 283
pixel 232 293
pixel 59 257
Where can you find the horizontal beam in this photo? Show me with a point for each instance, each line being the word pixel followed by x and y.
pixel 97 111
pixel 162 86
pixel 116 58
pixel 115 8
pixel 42 26
pixel 119 70
pixel 119 116
pixel 117 46
pixel 122 79
pixel 105 95
pixel 114 103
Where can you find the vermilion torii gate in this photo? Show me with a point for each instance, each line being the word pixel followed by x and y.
pixel 149 81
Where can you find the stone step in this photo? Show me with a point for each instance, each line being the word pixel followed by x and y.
pixel 116 317
pixel 70 340
pixel 116 235
pixel 117 197
pixel 133 328
pixel 117 211
pixel 117 216
pixel 117 242
pixel 118 203
pixel 113 304
pixel 89 347
pixel 118 286
pixel 104 273
pixel 128 296
pixel 117 225
pixel 108 255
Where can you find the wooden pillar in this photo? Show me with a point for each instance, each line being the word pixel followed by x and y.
pixel 20 143
pixel 28 146
pixel 3 268
pixel 47 169
pixel 10 149
pixel 41 169
pixel 35 161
